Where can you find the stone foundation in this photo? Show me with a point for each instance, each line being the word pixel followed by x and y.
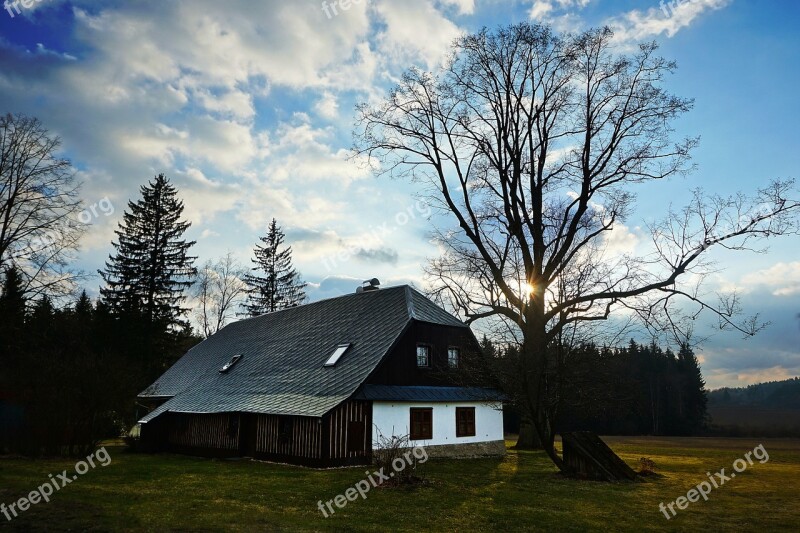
pixel 495 448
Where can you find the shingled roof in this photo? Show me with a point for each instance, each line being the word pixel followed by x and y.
pixel 281 369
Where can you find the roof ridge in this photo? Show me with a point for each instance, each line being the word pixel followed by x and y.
pixel 409 302
pixel 273 313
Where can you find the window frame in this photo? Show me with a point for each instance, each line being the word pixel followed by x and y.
pixel 230 364
pixel 458 357
pixel 416 354
pixel 414 431
pixel 337 354
pixel 470 428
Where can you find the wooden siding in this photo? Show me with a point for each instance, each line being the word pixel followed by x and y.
pixel 337 426
pixel 304 438
pixel 217 431
pixel 399 367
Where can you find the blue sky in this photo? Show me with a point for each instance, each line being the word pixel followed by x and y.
pixel 248 108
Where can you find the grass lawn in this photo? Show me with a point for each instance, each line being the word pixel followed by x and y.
pixel 518 492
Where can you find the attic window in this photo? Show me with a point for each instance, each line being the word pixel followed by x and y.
pixel 337 354
pixel 227 366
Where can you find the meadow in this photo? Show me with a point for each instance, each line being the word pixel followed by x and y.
pixel 520 492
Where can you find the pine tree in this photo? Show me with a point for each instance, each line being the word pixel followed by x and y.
pixel 275 283
pixel 151 269
pixel 12 323
pixel 694 395
pixel 12 302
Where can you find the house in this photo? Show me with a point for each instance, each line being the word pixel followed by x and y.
pixel 319 383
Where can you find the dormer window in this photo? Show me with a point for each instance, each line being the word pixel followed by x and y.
pixel 453 356
pixel 227 366
pixel 423 356
pixel 337 354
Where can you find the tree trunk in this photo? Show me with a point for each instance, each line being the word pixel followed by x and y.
pixel 548 437
pixel 535 353
pixel 528 438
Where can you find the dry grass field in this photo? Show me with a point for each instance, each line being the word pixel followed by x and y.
pixel 520 492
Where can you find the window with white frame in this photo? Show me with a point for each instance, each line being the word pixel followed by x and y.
pixel 453 357
pixel 423 356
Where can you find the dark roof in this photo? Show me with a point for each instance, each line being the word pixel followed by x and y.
pixel 418 393
pixel 281 370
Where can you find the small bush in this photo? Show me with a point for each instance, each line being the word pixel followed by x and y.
pixel 647 467
pixel 387 450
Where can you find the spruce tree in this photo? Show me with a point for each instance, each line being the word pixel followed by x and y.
pixel 694 395
pixel 151 268
pixel 274 284
pixel 12 302
pixel 12 323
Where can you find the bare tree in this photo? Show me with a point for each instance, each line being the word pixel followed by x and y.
pixel 532 143
pixel 220 289
pixel 39 204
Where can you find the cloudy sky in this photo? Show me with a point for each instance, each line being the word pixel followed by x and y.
pixel 248 108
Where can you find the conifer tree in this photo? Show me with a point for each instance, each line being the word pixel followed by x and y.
pixel 151 268
pixel 12 301
pixel 274 284
pixel 694 395
pixel 12 322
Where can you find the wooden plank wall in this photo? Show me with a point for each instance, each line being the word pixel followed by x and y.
pixel 337 421
pixel 322 439
pixel 400 366
pixel 216 431
pixel 305 439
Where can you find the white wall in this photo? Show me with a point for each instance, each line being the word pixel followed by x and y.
pixel 394 418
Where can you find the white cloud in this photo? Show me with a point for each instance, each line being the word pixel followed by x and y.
pixel 781 279
pixel 668 18
pixel 562 15
pixel 540 10
pixel 327 106
pixel 636 25
pixel 416 32
pixel 465 7
pixel 621 240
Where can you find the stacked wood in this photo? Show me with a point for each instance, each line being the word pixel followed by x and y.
pixel 591 458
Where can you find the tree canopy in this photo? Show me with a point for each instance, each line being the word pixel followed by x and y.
pixel 533 144
pixel 274 283
pixel 151 267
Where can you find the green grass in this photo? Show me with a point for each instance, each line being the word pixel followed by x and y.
pixel 519 492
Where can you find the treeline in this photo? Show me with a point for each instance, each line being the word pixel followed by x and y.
pixel 773 394
pixel 70 375
pixel 633 390
pixel 70 367
pixel 769 409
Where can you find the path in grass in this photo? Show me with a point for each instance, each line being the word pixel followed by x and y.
pixel 519 492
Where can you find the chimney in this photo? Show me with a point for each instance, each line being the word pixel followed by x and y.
pixel 369 285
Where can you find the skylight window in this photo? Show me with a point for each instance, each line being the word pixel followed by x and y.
pixel 337 354
pixel 227 366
